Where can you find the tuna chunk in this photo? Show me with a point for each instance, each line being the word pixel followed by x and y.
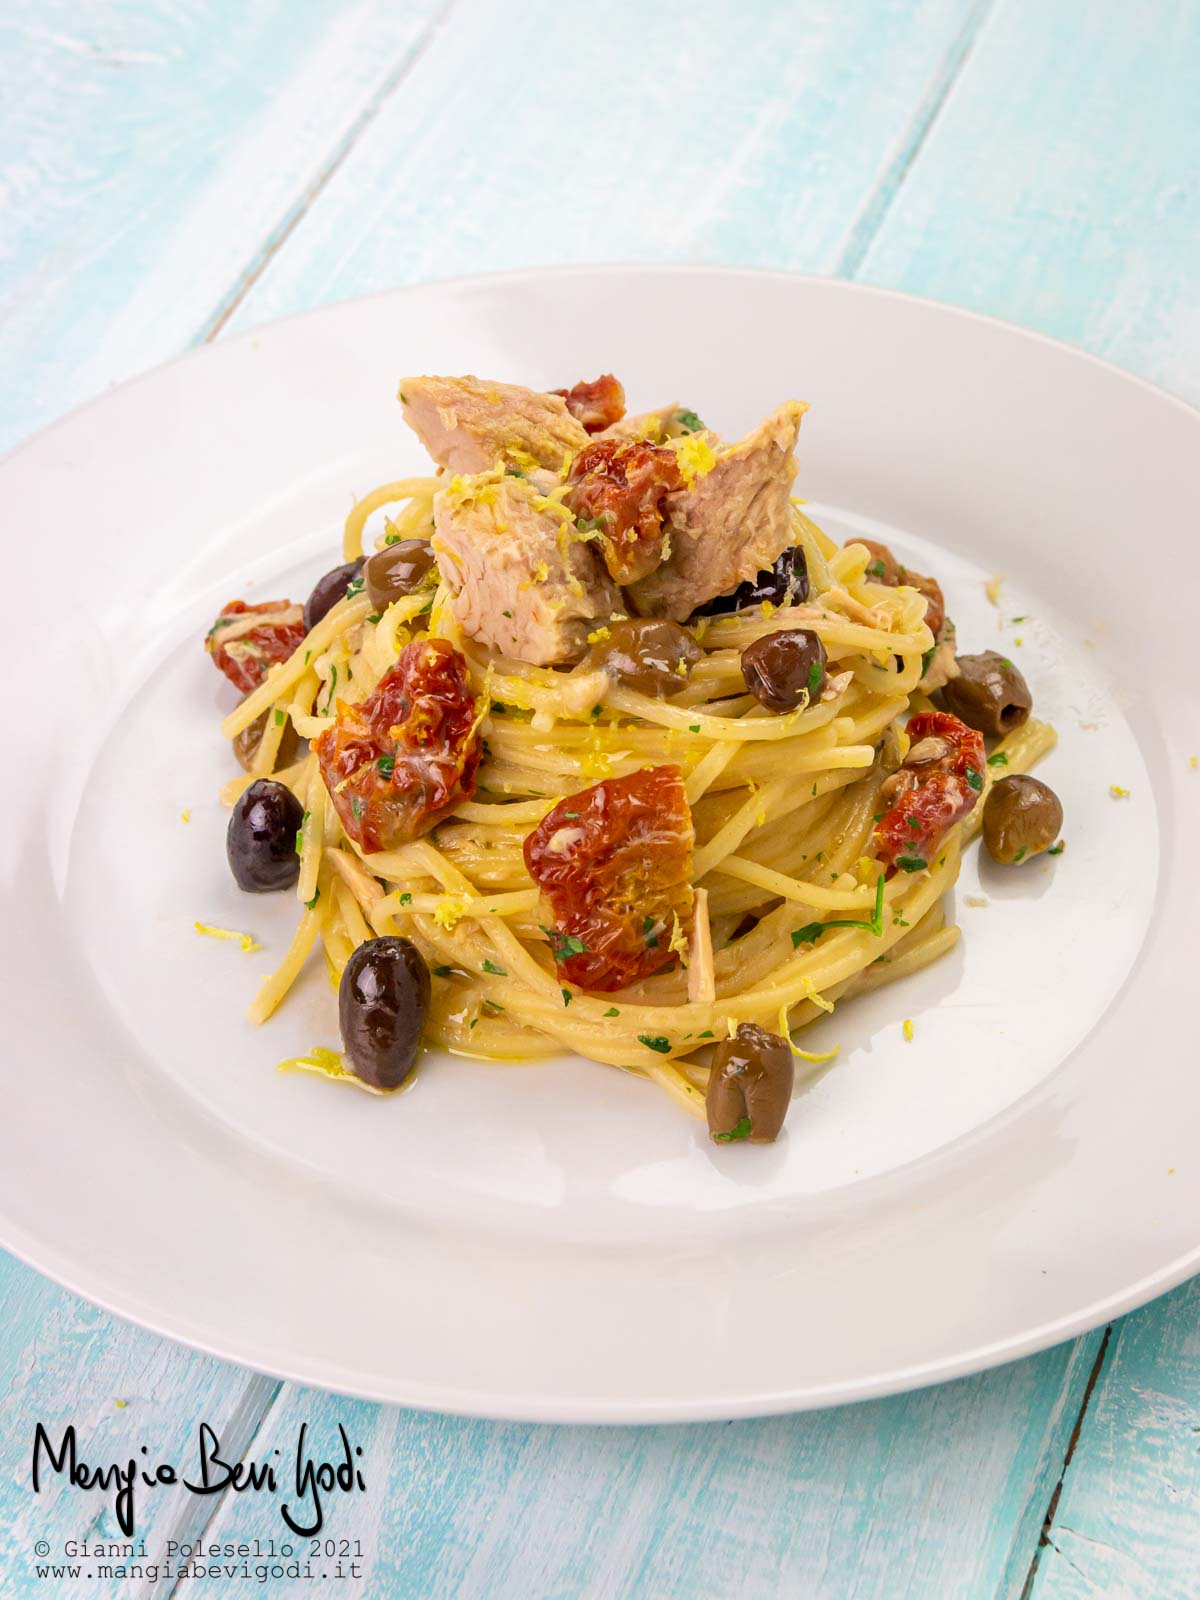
pixel 468 424
pixel 730 525
pixel 520 583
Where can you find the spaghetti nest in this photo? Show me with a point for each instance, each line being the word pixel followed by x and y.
pixel 793 909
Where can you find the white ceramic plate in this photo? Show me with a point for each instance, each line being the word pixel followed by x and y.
pixel 558 1241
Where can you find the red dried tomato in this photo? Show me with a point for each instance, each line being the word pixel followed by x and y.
pixel 615 863
pixel 884 568
pixel 243 652
pixel 622 486
pixel 408 754
pixel 596 405
pixel 949 784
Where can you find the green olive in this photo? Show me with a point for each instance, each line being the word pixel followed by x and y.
pixel 786 669
pixel 1021 818
pixel 749 1086
pixel 397 570
pixel 989 694
pixel 246 743
pixel 651 656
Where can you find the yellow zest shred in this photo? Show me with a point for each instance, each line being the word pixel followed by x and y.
pixel 186 814
pixel 678 942
pixel 597 635
pixel 695 455
pixel 246 940
pixel 908 1029
pixel 325 1064
pixel 992 589
pixel 817 999
pixel 1117 792
pixel 522 458
pixel 450 910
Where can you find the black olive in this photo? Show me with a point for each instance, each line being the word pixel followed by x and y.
pixel 1022 817
pixel 654 657
pixel 749 1086
pixel 396 570
pixel 989 694
pixel 382 1004
pixel 261 838
pixel 786 669
pixel 786 583
pixel 327 591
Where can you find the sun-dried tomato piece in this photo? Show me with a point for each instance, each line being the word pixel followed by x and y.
pixel 244 648
pixel 615 864
pixel 945 769
pixel 621 487
pixel 408 754
pixel 884 568
pixel 596 405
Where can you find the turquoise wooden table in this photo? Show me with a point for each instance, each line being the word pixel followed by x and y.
pixel 172 172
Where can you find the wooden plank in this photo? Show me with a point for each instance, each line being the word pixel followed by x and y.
pixel 939 1492
pixel 1058 185
pixel 1126 1522
pixel 150 153
pixel 652 134
pixel 65 1362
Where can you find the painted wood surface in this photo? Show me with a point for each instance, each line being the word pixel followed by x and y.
pixel 168 173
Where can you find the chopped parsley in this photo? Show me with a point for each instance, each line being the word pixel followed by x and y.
pixel 612 1012
pixel 566 994
pixel 563 945
pixel 707 1034
pixel 506 614
pixel 974 779
pixel 1006 663
pixel 999 759
pixel 443 972
pixel 877 568
pixel 406 898
pixel 512 472
pixel 311 904
pixel 740 1130
pixel 356 806
pixel 649 934
pixel 690 421
pixel 497 972
pixel 815 673
pixel 912 863
pixel 589 524
pixel 354 586
pixel 403 398
pixel 655 1041
pixel 927 658
pixel 278 717
pixel 300 832
pixel 332 687
pixel 1020 855
pixel 376 617
pixel 812 931
pixel 386 765
pixel 572 815
pixel 693 727
pixel 914 824
pixel 1057 849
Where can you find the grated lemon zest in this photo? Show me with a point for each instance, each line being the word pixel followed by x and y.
pixel 186 814
pixel 817 999
pixel 908 1029
pixel 598 635
pixel 246 940
pixel 992 589
pixel 695 455
pixel 1117 792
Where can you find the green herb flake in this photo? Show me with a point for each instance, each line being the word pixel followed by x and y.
pixel 573 816
pixel 877 568
pixel 443 972
pixel 386 765
pixel 612 1012
pixel 707 1034
pixel 566 994
pixel 1020 855
pixel 693 727
pixel 378 617
pixel 300 832
pixel 999 759
pixel 974 779
pixel 356 807
pixel 914 824
pixel 332 687
pixel 740 1130
pixel 563 945
pixel 649 934
pixel 406 898
pixel 655 1041
pixel 1006 663
pixel 403 398
pixel 354 586
pixel 815 673
pixel 912 863
pixel 497 972
pixel 279 716
pixel 1057 849
pixel 589 524
pixel 311 904
pixel 690 421
pixel 506 614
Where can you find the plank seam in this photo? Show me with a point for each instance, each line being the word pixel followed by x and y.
pixel 883 196
pixel 1044 1538
pixel 295 214
pixel 216 1501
